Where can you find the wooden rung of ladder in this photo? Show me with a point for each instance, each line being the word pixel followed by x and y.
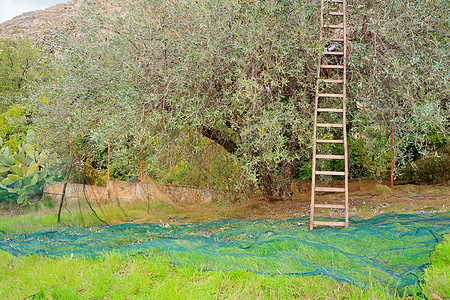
pixel 332 66
pixel 335 1
pixel 332 80
pixel 336 13
pixel 332 125
pixel 338 40
pixel 331 95
pixel 327 223
pixel 332 173
pixel 330 141
pixel 330 110
pixel 333 53
pixel 329 189
pixel 330 206
pixel 333 26
pixel 330 156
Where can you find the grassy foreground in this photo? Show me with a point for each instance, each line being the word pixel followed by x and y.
pixel 137 277
pixel 118 276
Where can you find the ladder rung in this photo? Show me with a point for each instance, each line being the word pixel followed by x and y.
pixel 330 206
pixel 330 110
pixel 332 95
pixel 333 125
pixel 332 66
pixel 336 1
pixel 331 141
pixel 327 156
pixel 333 173
pixel 325 223
pixel 332 80
pixel 336 40
pixel 333 53
pixel 336 13
pixel 330 189
pixel 334 26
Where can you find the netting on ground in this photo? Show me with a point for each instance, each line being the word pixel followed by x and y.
pixel 389 249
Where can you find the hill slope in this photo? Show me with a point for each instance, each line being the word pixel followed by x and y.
pixel 31 24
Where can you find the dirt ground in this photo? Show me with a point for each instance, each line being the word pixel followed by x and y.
pixel 366 199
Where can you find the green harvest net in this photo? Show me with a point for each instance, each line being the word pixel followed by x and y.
pixel 389 249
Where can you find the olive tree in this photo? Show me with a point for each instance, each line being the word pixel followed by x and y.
pixel 154 74
pixel 156 78
pixel 397 78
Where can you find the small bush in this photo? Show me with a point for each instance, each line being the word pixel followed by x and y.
pixel 434 169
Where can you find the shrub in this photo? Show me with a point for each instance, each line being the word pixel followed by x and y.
pixel 433 169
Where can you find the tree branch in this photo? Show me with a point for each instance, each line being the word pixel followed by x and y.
pixel 220 138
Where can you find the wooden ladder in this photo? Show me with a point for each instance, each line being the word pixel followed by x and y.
pixel 330 102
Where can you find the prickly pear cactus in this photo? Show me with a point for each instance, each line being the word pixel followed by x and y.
pixel 21 173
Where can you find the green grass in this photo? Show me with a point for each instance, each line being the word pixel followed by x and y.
pixel 29 219
pixel 120 276
pixel 437 277
pixel 138 277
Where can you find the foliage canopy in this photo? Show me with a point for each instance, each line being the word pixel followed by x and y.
pixel 22 64
pixel 155 78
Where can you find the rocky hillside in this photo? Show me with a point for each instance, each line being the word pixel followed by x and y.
pixel 32 24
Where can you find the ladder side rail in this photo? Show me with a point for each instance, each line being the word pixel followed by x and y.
pixel 316 105
pixel 322 5
pixel 344 107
